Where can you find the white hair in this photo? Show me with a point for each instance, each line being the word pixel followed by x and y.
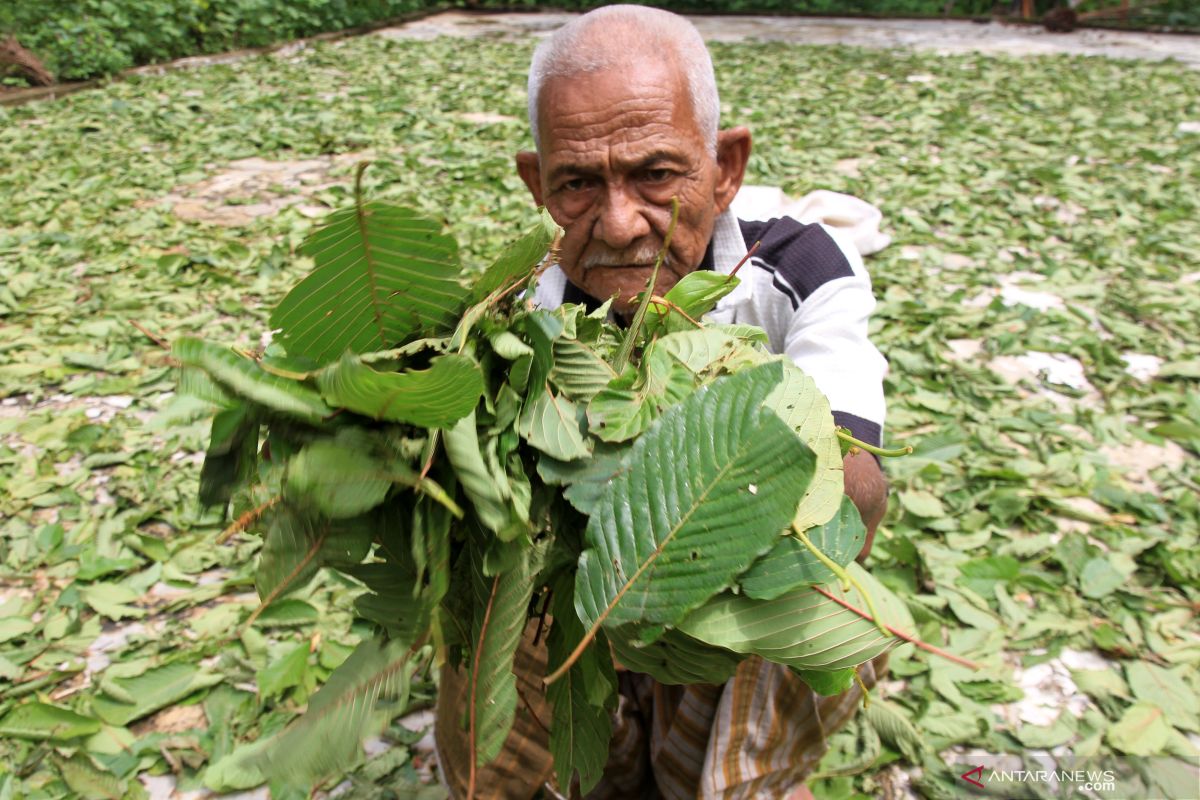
pixel 633 31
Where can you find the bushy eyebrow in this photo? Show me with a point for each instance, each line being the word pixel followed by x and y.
pixel 648 161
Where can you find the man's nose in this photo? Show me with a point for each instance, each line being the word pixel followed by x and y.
pixel 622 219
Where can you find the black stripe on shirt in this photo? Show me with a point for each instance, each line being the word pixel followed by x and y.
pixel 862 429
pixel 801 258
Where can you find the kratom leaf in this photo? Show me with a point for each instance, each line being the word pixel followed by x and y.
pixel 663 541
pixel 551 424
pixel 463 450
pixel 501 606
pixel 1141 731
pixel 357 701
pixel 112 600
pixel 827 683
pixel 284 672
pixel 1167 689
pixel 801 628
pixel 585 478
pixel 382 274
pixel 675 658
pixel 630 403
pixel 36 720
pixel 431 398
pixel 895 728
pixel 790 564
pixel 519 258
pixel 578 371
pixel 581 729
pixel 244 377
pixel 340 479
pixel 509 346
pixel 392 602
pixel 154 689
pixel 231 454
pixel 695 295
pixel 704 351
pixel 86 781
pixel 800 404
pixel 297 545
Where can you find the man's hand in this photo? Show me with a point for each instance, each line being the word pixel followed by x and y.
pixel 868 489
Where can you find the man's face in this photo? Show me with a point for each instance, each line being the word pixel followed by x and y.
pixel 616 146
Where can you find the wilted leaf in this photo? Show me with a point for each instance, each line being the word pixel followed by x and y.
pixel 44 721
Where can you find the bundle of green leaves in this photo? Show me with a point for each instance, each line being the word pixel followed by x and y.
pixel 669 494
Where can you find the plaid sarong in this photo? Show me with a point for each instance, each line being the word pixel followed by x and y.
pixel 757 737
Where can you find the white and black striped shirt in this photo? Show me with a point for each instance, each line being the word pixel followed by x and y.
pixel 808 289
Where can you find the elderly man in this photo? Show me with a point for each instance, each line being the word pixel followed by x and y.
pixel 624 110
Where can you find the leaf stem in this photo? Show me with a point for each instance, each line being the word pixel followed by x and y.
pixel 657 300
pixel 847 580
pixel 639 316
pixel 246 520
pixel 866 693
pixel 745 258
pixel 870 448
pixel 899 634
pixel 473 734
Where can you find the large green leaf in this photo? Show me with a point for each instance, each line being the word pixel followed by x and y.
pixel 492 505
pixel 630 403
pixel 392 602
pixel 501 606
pixel 361 696
pixel 790 564
pixel 585 479
pixel 704 351
pixel 152 690
pixel 297 545
pixel 89 783
pixel 707 490
pixel 581 728
pixel 578 371
pixel 694 295
pixel 431 398
pixel 340 478
pixel 800 404
pixel 382 274
pixel 519 258
pixel 552 424
pixel 231 454
pixel 44 721
pixel 676 658
pixel 802 628
pixel 245 377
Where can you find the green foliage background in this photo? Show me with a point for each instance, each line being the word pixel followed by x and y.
pixel 81 39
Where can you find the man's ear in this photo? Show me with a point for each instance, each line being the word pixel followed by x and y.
pixel 530 170
pixel 733 151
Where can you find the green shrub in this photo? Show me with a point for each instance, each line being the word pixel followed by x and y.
pixel 80 39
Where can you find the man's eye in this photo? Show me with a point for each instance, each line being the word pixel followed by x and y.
pixel 657 175
pixel 575 185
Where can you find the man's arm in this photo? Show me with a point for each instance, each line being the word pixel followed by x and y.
pixel 868 490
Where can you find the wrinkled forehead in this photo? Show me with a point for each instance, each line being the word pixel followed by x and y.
pixel 637 94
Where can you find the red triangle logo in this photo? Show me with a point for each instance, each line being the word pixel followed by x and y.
pixel 977 771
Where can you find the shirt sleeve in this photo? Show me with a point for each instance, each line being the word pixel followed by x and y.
pixel 828 339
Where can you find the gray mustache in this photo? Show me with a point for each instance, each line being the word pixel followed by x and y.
pixel 642 255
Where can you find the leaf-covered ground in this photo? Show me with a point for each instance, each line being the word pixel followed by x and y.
pixel 1039 307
